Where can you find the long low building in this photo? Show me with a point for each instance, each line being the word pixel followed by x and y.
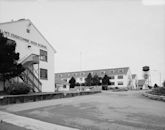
pixel 36 54
pixel 119 77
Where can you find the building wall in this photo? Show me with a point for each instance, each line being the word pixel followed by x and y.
pixel 81 79
pixel 37 42
pixel 61 87
pixel 118 81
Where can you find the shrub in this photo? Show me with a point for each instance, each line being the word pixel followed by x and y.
pixel 150 87
pixel 158 91
pixel 163 83
pixel 155 86
pixel 116 88
pixel 104 87
pixel 82 84
pixel 18 88
pixel 77 84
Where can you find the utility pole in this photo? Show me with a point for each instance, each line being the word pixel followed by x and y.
pixel 80 67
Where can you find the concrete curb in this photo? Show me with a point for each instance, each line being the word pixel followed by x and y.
pixel 30 123
pixel 14 99
pixel 154 97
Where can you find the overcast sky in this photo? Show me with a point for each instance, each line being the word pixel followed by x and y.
pixel 98 34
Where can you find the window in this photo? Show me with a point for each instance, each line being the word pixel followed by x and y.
pixel 103 72
pixel 28 30
pixel 43 55
pixel 112 83
pixel 65 80
pixel 120 70
pixel 112 77
pixel 111 71
pixel 43 73
pixel 120 77
pixel 120 83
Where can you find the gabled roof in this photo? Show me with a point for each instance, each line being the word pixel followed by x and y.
pixel 22 20
pixel 141 82
pixel 100 73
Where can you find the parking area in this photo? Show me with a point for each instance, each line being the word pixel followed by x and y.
pixel 127 110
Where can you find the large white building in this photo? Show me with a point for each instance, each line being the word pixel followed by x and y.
pixel 119 77
pixel 36 54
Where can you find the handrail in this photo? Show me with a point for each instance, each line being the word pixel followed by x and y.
pixel 35 71
pixel 28 73
pixel 22 59
pixel 39 89
pixel 28 57
pixel 33 75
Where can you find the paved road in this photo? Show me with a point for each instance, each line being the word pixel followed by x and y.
pixel 105 111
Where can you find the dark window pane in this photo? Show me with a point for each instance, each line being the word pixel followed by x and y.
pixel 120 77
pixel 120 83
pixel 43 55
pixel 43 74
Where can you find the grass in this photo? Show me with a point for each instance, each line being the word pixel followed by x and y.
pixel 7 126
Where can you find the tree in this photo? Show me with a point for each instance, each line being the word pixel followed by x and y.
pixel 105 82
pixel 155 86
pixel 163 83
pixel 88 80
pixel 72 82
pixel 9 68
pixel 96 80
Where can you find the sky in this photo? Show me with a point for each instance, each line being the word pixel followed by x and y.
pixel 98 34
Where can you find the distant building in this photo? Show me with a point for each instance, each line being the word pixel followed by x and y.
pixel 119 77
pixel 36 54
pixel 142 84
pixel 134 81
pixel 62 85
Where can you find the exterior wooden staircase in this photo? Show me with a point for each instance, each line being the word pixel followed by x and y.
pixel 29 76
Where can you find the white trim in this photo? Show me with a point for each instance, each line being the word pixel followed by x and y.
pixel 34 27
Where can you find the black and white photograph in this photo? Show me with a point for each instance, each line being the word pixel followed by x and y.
pixel 82 64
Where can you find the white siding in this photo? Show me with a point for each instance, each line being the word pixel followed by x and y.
pixel 19 28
